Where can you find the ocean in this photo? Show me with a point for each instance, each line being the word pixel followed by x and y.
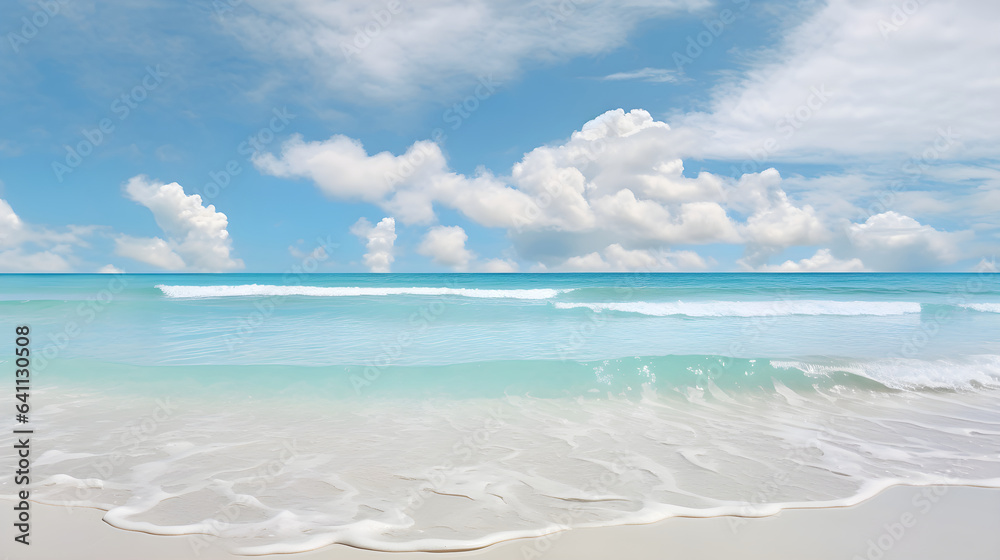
pixel 285 412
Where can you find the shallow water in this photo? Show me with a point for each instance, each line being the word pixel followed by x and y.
pixel 435 412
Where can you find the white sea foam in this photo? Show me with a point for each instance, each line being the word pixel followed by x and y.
pixel 325 291
pixel 907 373
pixel 984 307
pixel 751 308
pixel 370 475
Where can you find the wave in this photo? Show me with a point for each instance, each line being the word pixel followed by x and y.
pixel 624 377
pixel 257 290
pixel 751 308
pixel 911 374
pixel 983 307
pixel 705 436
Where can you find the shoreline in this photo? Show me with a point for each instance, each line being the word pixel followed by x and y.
pixel 902 521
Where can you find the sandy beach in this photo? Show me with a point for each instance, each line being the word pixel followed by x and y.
pixel 904 522
pixel 500 280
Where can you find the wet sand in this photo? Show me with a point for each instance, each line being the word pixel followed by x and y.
pixel 904 522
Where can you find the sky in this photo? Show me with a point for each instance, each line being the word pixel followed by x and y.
pixel 499 136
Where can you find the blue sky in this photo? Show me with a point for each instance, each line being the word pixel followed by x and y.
pixel 644 135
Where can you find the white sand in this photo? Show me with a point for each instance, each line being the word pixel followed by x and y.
pixel 945 522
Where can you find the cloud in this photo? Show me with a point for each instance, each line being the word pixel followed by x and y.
pixel 318 253
pixel 445 245
pixel 986 265
pixel 15 232
pixel 379 241
pixel 499 265
pixel 197 238
pixel 896 242
pixel 546 190
pixel 618 182
pixel 11 226
pixel 591 262
pixel 866 80
pixel 17 260
pixel 850 83
pixel 9 148
pixel 775 222
pixel 822 261
pixel 615 181
pixel 150 250
pixel 618 259
pixel 342 169
pixel 168 153
pixel 399 51
pixel 656 75
pixel 110 269
pixel 30 248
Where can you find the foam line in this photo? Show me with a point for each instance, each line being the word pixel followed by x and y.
pixel 983 307
pixel 259 290
pixel 751 308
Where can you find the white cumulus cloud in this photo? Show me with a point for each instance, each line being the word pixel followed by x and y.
pixel 19 260
pixel 616 258
pixel 26 247
pixel 196 235
pixel 892 241
pixel 445 245
pixel 822 261
pixel 11 226
pixel 498 265
pixel 617 180
pixel 150 250
pixel 379 240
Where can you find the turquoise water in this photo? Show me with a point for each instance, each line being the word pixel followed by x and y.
pixel 279 412
pixel 202 319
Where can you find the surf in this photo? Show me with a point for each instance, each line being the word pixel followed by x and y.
pixel 256 290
